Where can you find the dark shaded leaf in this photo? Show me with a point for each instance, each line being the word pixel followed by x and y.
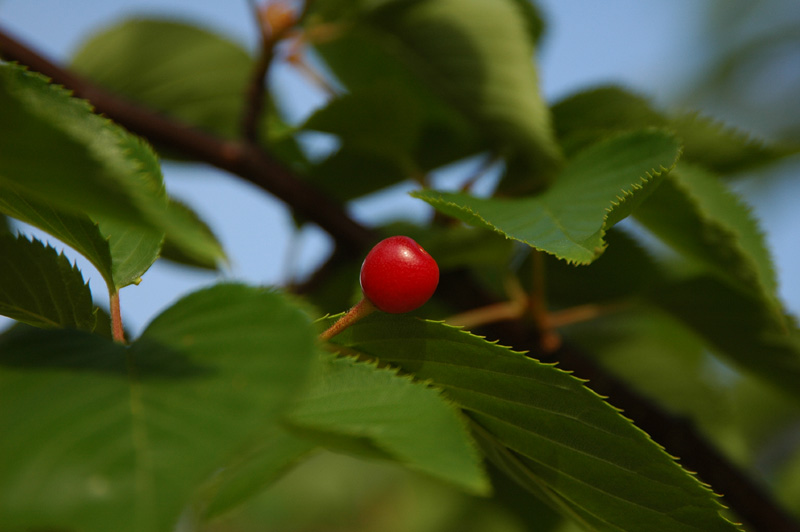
pixel 695 213
pixel 738 325
pixel 94 430
pixel 40 287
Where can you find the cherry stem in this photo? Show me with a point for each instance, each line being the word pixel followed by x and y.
pixel 359 310
pixel 117 330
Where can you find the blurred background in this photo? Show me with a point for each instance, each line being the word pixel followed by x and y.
pixel 736 60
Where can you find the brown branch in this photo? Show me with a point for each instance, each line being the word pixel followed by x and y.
pixel 243 160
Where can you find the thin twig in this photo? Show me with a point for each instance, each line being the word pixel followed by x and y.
pixel 270 36
pixel 254 98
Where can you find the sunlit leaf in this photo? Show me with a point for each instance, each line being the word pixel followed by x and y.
pixel 588 116
pixel 365 409
pixel 597 188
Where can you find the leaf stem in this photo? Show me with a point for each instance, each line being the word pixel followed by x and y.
pixel 359 310
pixel 549 339
pixel 117 330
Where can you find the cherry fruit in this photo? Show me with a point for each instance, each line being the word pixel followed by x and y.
pixel 398 275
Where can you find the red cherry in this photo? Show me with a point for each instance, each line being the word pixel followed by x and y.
pixel 398 275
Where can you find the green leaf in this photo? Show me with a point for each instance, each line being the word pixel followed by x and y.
pixel 184 229
pixel 379 127
pixel 534 22
pixel 568 444
pixel 479 56
pixel 121 252
pixel 619 275
pixel 93 167
pixel 468 65
pixel 40 287
pixel 698 216
pixel 662 359
pixel 357 170
pixel 173 67
pixel 589 116
pixel 176 254
pixel 444 133
pixel 84 170
pixel 598 188
pixel 788 484
pixel 134 431
pixel 74 229
pixel 722 148
pixel 383 113
pixel 254 467
pixel 353 404
pixel 738 325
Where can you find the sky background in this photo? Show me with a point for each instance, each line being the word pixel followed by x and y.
pixel 656 48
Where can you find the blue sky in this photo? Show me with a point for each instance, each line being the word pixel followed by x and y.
pixel 622 41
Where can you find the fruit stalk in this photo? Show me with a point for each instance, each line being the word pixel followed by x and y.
pixel 358 311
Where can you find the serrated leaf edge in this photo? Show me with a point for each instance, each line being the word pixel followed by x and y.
pixel 583 383
pixel 623 195
pixel 747 138
pixel 61 258
pixel 361 359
